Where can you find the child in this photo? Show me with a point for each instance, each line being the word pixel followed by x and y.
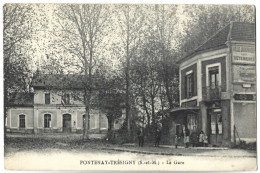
pixel 201 137
pixel 205 140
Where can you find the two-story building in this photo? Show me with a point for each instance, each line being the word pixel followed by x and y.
pixel 218 88
pixel 56 105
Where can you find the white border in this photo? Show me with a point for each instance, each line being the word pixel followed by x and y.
pixel 254 2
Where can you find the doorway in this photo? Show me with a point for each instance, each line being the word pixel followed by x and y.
pixel 215 129
pixel 66 123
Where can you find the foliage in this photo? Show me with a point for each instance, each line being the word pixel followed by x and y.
pixel 17 30
pixel 204 21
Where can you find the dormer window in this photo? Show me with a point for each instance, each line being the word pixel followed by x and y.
pixel 47 98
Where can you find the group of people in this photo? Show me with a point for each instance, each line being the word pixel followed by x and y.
pixel 202 139
pixel 140 135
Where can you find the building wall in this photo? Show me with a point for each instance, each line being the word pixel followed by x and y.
pixel 226 122
pixel 245 121
pixel 97 122
pixel 97 119
pixel 76 97
pixel 244 83
pixel 12 121
pixel 34 119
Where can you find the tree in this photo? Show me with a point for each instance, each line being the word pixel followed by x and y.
pixel 111 102
pixel 154 70
pixel 131 20
pixel 165 23
pixel 82 30
pixel 17 30
pixel 203 21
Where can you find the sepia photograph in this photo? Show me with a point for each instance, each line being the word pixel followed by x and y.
pixel 133 87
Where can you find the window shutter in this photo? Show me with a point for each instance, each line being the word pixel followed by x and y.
pixel 192 84
pixel 185 87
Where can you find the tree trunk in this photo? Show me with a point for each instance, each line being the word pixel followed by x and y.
pixel 168 95
pixel 146 110
pixel 110 127
pixel 86 126
pixel 5 110
pixel 128 105
pixel 153 109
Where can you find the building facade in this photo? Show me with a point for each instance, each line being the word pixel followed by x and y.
pixel 218 88
pixel 53 108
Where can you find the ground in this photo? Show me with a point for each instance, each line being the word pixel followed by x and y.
pixel 66 151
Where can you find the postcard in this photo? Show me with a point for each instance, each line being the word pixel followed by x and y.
pixel 129 87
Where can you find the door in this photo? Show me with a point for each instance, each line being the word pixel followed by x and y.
pixel 215 130
pixel 66 123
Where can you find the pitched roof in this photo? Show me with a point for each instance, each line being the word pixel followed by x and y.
pixel 235 31
pixel 218 40
pixel 243 32
pixel 58 81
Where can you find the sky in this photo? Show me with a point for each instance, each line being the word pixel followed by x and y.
pixel 42 40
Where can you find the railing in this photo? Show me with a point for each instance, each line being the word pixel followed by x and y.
pixel 211 93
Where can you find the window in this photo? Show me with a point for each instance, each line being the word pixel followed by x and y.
pixel 189 85
pixel 47 98
pixel 65 99
pixel 216 123
pixel 213 77
pixel 22 121
pixel 47 121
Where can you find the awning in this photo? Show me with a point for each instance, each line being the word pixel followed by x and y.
pixel 185 109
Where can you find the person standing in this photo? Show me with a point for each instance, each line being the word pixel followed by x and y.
pixel 205 140
pixel 201 138
pixel 187 138
pixel 176 141
pixel 141 138
pixel 157 137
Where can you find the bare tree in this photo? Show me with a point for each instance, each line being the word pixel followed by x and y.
pixel 131 20
pixel 165 27
pixel 82 29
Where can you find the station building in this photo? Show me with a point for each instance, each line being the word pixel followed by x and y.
pixel 218 88
pixel 56 105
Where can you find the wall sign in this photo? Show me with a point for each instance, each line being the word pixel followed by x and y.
pixel 244 74
pixel 243 54
pixel 247 97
